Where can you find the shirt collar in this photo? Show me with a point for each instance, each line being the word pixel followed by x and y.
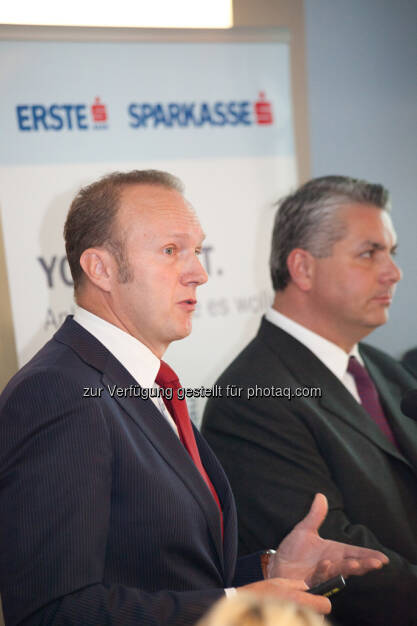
pixel 333 357
pixel 139 361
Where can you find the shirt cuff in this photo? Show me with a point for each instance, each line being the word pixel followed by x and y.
pixel 230 591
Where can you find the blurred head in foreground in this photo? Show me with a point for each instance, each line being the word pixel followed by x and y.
pixel 245 609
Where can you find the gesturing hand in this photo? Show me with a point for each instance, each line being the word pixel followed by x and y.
pixel 304 555
pixel 291 590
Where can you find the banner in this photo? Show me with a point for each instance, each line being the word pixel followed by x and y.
pixel 218 115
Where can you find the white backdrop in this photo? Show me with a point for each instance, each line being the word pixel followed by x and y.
pixel 218 115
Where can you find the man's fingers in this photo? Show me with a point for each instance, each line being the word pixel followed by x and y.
pixel 276 586
pixel 346 567
pixel 365 554
pixel 351 565
pixel 354 567
pixel 318 603
pixel 293 590
pixel 294 583
pixel 327 569
pixel 316 515
pixel 299 596
pixel 375 563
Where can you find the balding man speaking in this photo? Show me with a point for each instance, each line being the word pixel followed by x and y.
pixel 114 509
pixel 318 412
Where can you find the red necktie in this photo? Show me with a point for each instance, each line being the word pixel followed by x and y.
pixel 167 378
pixel 369 397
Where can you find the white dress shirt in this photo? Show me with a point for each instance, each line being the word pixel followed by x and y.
pixel 333 357
pixel 139 361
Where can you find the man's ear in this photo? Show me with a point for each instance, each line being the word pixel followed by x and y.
pixel 300 265
pixel 99 266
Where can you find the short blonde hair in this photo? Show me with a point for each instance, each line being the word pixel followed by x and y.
pixel 247 609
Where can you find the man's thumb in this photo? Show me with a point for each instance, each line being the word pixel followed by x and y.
pixel 317 513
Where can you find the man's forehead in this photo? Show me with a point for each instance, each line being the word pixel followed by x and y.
pixel 157 207
pixel 365 218
pixel 148 196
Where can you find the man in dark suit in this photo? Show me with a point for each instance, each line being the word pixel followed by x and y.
pixel 114 511
pixel 317 411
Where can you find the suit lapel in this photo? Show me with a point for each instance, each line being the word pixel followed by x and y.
pixel 310 371
pixel 146 417
pixel 405 429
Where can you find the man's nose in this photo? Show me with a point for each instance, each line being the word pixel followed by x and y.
pixel 195 272
pixel 392 272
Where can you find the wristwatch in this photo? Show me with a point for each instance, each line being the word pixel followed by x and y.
pixel 266 556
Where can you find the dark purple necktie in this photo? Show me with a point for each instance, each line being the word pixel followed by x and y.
pixel 369 397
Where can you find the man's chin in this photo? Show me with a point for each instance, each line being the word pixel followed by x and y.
pixel 377 320
pixel 183 332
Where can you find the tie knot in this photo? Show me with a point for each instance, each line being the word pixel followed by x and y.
pixel 356 369
pixel 166 376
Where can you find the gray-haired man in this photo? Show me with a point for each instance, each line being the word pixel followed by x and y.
pixel 339 430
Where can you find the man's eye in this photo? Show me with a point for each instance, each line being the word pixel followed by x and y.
pixel 367 254
pixel 169 250
pixel 198 251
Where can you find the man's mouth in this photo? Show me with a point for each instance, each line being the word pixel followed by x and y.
pixel 189 304
pixel 384 298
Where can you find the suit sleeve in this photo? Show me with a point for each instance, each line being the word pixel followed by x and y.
pixel 275 467
pixel 55 495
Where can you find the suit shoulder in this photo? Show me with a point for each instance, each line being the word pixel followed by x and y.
pixel 387 364
pixel 241 359
pixel 376 353
pixel 409 361
pixel 52 375
pixel 256 358
pixel 46 398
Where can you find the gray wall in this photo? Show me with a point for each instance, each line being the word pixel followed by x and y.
pixel 362 91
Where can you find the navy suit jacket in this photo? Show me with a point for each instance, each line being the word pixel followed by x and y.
pixel 105 518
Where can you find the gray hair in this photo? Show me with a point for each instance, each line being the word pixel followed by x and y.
pixel 309 219
pixel 90 220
